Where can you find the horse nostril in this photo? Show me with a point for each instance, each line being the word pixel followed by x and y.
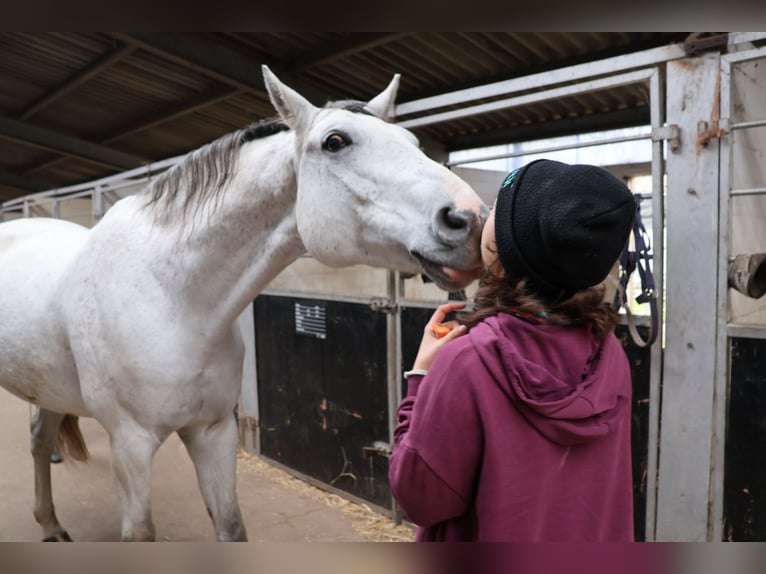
pixel 450 218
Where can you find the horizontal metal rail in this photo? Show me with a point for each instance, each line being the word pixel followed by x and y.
pixel 360 299
pixel 742 37
pixel 143 172
pixel 744 331
pixel 549 149
pixel 575 73
pixel 536 97
pixel 747 125
pixel 749 191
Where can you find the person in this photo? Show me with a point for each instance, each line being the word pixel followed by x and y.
pixel 520 430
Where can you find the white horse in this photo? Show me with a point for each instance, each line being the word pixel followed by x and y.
pixel 133 321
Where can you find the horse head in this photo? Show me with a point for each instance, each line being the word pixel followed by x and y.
pixel 367 194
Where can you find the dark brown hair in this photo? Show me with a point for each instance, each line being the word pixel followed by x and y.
pixel 496 294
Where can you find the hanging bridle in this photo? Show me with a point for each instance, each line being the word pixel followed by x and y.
pixel 629 262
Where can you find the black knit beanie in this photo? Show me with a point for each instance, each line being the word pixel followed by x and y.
pixel 561 227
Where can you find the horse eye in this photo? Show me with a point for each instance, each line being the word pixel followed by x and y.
pixel 334 142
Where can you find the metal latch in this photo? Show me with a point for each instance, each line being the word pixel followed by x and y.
pixel 383 304
pixel 671 133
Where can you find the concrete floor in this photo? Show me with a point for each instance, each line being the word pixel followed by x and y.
pixel 86 502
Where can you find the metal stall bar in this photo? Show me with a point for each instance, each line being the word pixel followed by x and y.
pixel 394 355
pixel 613 65
pixel 97 204
pixel 725 330
pixel 743 37
pixel 657 119
pixel 718 459
pixel 145 171
pixel 549 149
pixel 743 125
pixel 53 199
pixel 583 87
pixel 753 191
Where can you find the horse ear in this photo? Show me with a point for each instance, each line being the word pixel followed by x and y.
pixel 294 109
pixel 383 104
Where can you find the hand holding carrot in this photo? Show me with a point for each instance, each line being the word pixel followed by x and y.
pixel 436 334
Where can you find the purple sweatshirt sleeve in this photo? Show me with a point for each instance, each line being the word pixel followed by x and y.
pixel 437 442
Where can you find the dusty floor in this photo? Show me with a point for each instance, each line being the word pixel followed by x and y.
pixel 276 507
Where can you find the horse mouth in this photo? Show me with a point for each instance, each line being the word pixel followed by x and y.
pixel 447 278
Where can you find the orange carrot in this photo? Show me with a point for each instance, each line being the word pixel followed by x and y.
pixel 441 330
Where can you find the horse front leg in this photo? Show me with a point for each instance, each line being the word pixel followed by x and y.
pixel 44 429
pixel 133 449
pixel 213 450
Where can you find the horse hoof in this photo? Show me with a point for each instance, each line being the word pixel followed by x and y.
pixel 55 457
pixel 62 536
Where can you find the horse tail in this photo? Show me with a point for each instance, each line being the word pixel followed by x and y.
pixel 70 441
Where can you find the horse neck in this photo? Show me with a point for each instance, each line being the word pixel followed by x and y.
pixel 241 242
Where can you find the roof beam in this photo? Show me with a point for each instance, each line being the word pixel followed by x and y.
pixel 75 81
pixel 343 48
pixel 68 145
pixel 170 112
pixel 216 61
pixel 167 113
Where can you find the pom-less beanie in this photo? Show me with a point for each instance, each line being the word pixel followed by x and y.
pixel 561 227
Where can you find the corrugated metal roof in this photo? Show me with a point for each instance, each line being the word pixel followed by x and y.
pixel 144 97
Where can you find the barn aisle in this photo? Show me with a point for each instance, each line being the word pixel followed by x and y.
pixel 276 507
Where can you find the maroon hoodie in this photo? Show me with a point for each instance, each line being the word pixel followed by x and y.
pixel 519 432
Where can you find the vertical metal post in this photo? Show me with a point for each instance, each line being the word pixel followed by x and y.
pixel 657 118
pixel 25 211
pixel 689 362
pixel 97 199
pixel 394 355
pixel 722 352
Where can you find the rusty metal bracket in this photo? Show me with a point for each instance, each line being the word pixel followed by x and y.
pixel 712 129
pixel 670 133
pixel 699 42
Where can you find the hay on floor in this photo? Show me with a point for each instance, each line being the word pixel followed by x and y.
pixel 365 521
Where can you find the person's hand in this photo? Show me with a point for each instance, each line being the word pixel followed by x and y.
pixel 432 341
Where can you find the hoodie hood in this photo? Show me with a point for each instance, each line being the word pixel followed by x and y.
pixel 556 376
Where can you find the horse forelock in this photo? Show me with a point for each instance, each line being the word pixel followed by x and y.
pixel 205 171
pixel 354 106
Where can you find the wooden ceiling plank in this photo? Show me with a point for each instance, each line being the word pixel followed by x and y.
pixel 104 61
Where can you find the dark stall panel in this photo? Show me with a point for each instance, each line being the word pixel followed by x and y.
pixel 745 467
pixel 640 362
pixel 414 319
pixel 322 391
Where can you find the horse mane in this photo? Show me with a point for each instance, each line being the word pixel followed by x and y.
pixel 205 170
